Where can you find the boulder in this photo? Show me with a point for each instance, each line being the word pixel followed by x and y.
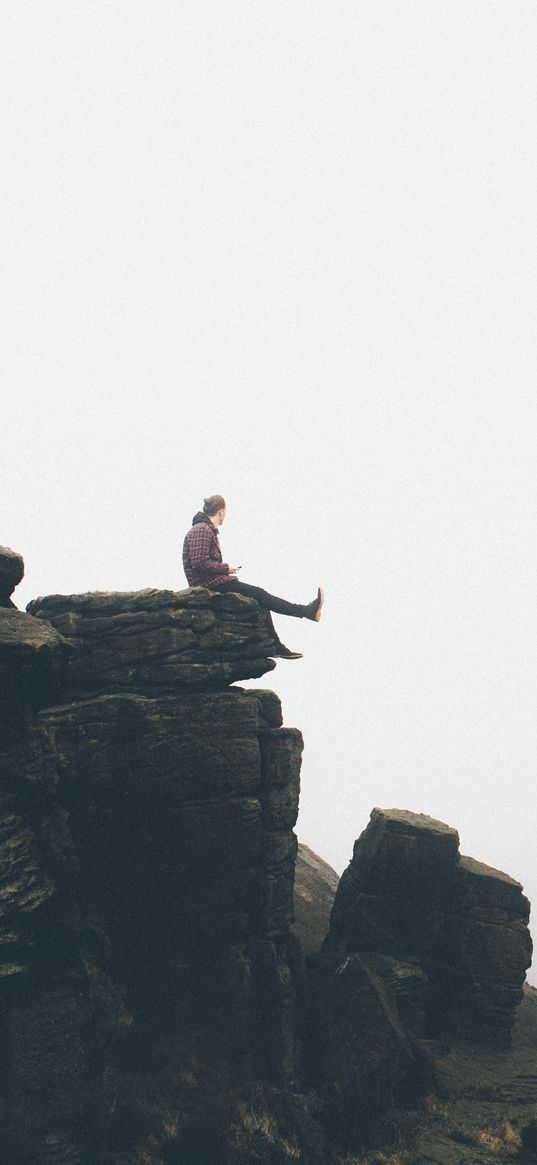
pixel 489 950
pixel 408 895
pixel 393 895
pixel 11 573
pixel 364 1054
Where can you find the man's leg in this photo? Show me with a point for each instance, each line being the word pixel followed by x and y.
pixel 280 650
pixel 272 602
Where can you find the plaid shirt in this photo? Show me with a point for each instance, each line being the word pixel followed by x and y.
pixel 202 557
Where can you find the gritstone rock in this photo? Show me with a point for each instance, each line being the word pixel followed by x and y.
pixel 149 970
pixel 32 660
pixel 315 887
pixel 146 859
pixel 11 573
pixel 156 641
pixel 408 894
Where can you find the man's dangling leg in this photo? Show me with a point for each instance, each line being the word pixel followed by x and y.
pixel 262 597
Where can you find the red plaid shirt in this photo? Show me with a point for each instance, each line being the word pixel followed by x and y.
pixel 202 557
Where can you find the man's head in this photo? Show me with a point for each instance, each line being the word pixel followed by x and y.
pixel 215 509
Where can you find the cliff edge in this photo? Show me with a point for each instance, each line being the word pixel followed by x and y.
pixel 147 859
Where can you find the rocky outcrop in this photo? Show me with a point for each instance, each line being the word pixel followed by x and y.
pixel 155 1005
pixel 438 943
pixel 407 894
pixel 11 574
pixel 146 861
pixel 154 642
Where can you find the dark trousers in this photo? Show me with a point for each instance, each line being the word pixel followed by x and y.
pixel 267 601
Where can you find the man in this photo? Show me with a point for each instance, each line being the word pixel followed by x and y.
pixel 203 565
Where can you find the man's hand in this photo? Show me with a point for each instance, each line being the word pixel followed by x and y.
pixel 234 569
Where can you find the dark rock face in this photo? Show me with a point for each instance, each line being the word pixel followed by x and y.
pixel 146 860
pixel 491 949
pixel 364 1049
pixel 159 641
pixel 11 574
pixel 152 987
pixel 177 820
pixel 408 894
pixel 442 939
pixel 32 660
pixel 48 1081
pixel 394 894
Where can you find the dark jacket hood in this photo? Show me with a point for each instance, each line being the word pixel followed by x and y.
pixel 201 517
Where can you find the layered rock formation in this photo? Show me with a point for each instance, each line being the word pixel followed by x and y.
pixel 422 944
pixel 159 641
pixel 408 894
pixel 147 856
pixel 153 993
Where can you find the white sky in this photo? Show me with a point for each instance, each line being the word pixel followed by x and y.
pixel 286 251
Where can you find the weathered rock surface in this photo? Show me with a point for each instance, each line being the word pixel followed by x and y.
pixel 159 641
pixel 48 1083
pixel 407 893
pixel 11 574
pixel 153 993
pixel 365 1050
pixel 443 940
pixel 146 862
pixel 33 660
pixel 315 887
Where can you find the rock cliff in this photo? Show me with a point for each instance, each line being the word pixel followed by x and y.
pixel 147 854
pixel 156 1005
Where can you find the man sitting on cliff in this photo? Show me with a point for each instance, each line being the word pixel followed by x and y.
pixel 202 561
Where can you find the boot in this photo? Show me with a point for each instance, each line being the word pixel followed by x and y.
pixel 313 610
pixel 283 652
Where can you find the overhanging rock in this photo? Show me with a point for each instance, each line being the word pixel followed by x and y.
pixel 156 641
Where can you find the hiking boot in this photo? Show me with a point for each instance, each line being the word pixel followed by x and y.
pixel 313 610
pixel 283 652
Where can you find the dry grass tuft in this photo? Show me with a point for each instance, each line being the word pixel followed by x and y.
pixel 256 1129
pixel 500 1138
pixel 431 1105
